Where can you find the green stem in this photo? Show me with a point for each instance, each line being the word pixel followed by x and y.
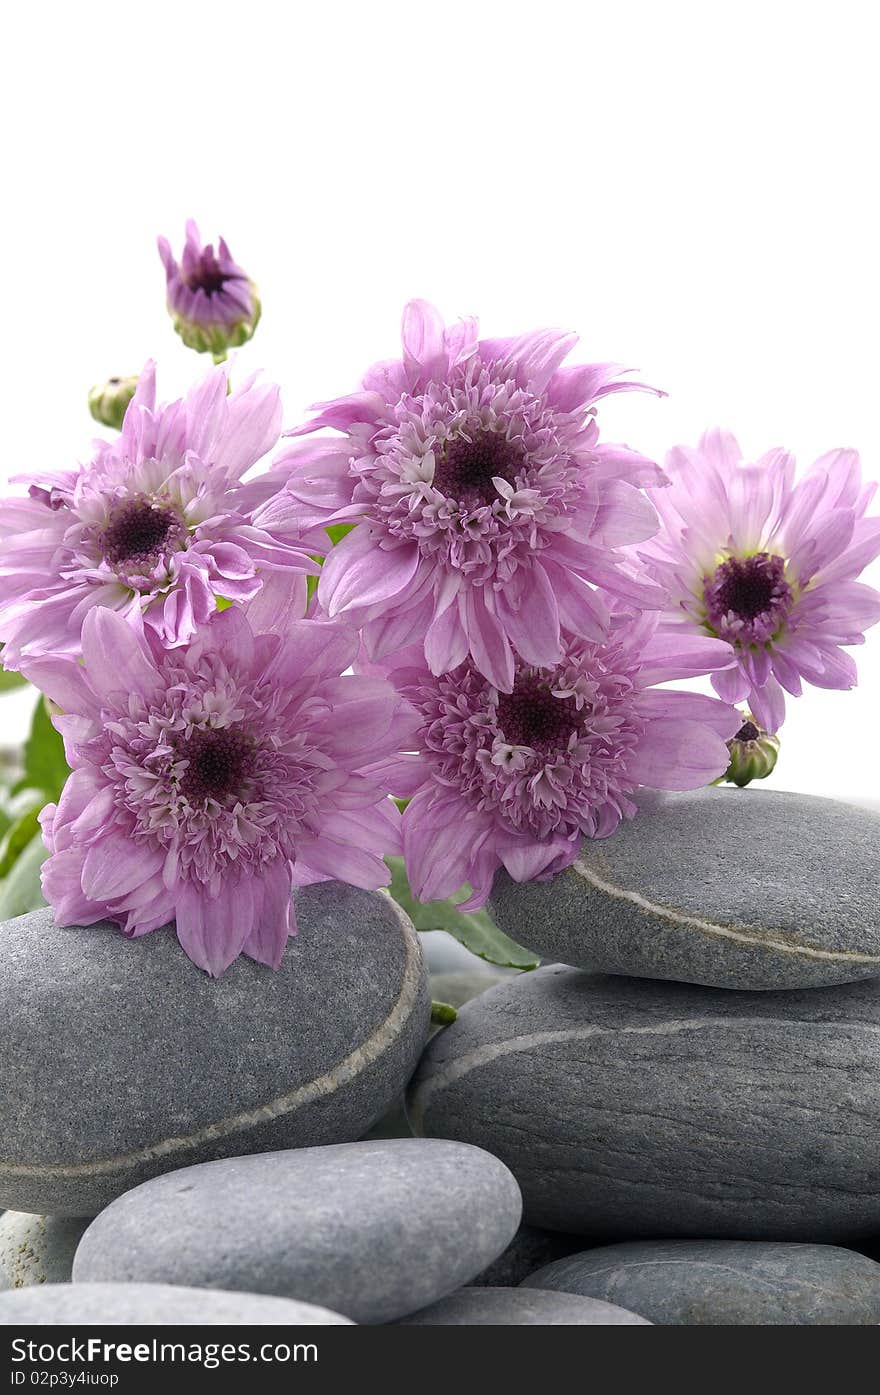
pixel 442 1014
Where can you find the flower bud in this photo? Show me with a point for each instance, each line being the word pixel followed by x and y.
pixel 108 401
pixel 212 302
pixel 753 754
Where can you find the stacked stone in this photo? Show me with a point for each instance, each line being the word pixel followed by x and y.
pixel 177 1150
pixel 698 1095
pixel 677 1124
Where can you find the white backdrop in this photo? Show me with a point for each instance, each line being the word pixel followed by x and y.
pixel 691 186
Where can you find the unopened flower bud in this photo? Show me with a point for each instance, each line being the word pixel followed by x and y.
pixel 753 754
pixel 108 401
pixel 211 300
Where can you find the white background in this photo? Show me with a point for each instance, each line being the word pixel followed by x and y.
pixel 693 187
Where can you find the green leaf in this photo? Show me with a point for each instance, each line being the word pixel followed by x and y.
pixel 9 679
pixel 20 891
pixel 476 930
pixel 45 768
pixel 442 1014
pixel 337 531
pixel 17 837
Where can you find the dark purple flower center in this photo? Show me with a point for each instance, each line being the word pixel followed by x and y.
pixel 747 598
pixel 137 529
pixel 208 276
pixel 747 732
pixel 465 469
pixel 532 716
pixel 220 761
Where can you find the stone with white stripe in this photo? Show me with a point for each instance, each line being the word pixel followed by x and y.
pixel 626 1108
pixel 121 1060
pixel 749 889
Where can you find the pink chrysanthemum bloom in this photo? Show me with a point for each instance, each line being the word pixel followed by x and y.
pixel 768 565
pixel 157 524
pixel 211 300
pixel 485 505
pixel 520 778
pixel 207 781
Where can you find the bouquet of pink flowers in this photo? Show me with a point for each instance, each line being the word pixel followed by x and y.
pixel 438 624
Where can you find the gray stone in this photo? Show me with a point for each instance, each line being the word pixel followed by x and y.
pixel 629 1109
pixel 750 889
pixel 456 989
pixel 530 1249
pixel 725 1282
pixel 373 1230
pixel 519 1307
pixel 121 1060
pixel 37 1249
pixel 136 1305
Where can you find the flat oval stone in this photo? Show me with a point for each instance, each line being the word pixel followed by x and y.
pixel 725 1282
pixel 626 1108
pixel 136 1305
pixel 37 1249
pixel 121 1060
pixel 751 889
pixel 374 1230
pixel 519 1307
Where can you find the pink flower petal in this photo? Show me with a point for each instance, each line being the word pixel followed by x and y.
pixel 213 930
pixel 767 705
pixel 446 641
pixel 63 680
pixel 678 755
pixel 731 684
pixel 489 644
pixel 274 916
pixel 358 573
pixel 530 617
pixel 116 656
pixel 683 655
pixel 671 704
pixel 423 340
pixel 116 864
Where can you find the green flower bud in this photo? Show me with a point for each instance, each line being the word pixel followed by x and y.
pixel 753 754
pixel 108 401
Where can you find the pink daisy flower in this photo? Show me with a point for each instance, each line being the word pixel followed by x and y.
pixel 158 524
pixel 209 780
pixel 485 506
pixel 767 565
pixel 518 779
